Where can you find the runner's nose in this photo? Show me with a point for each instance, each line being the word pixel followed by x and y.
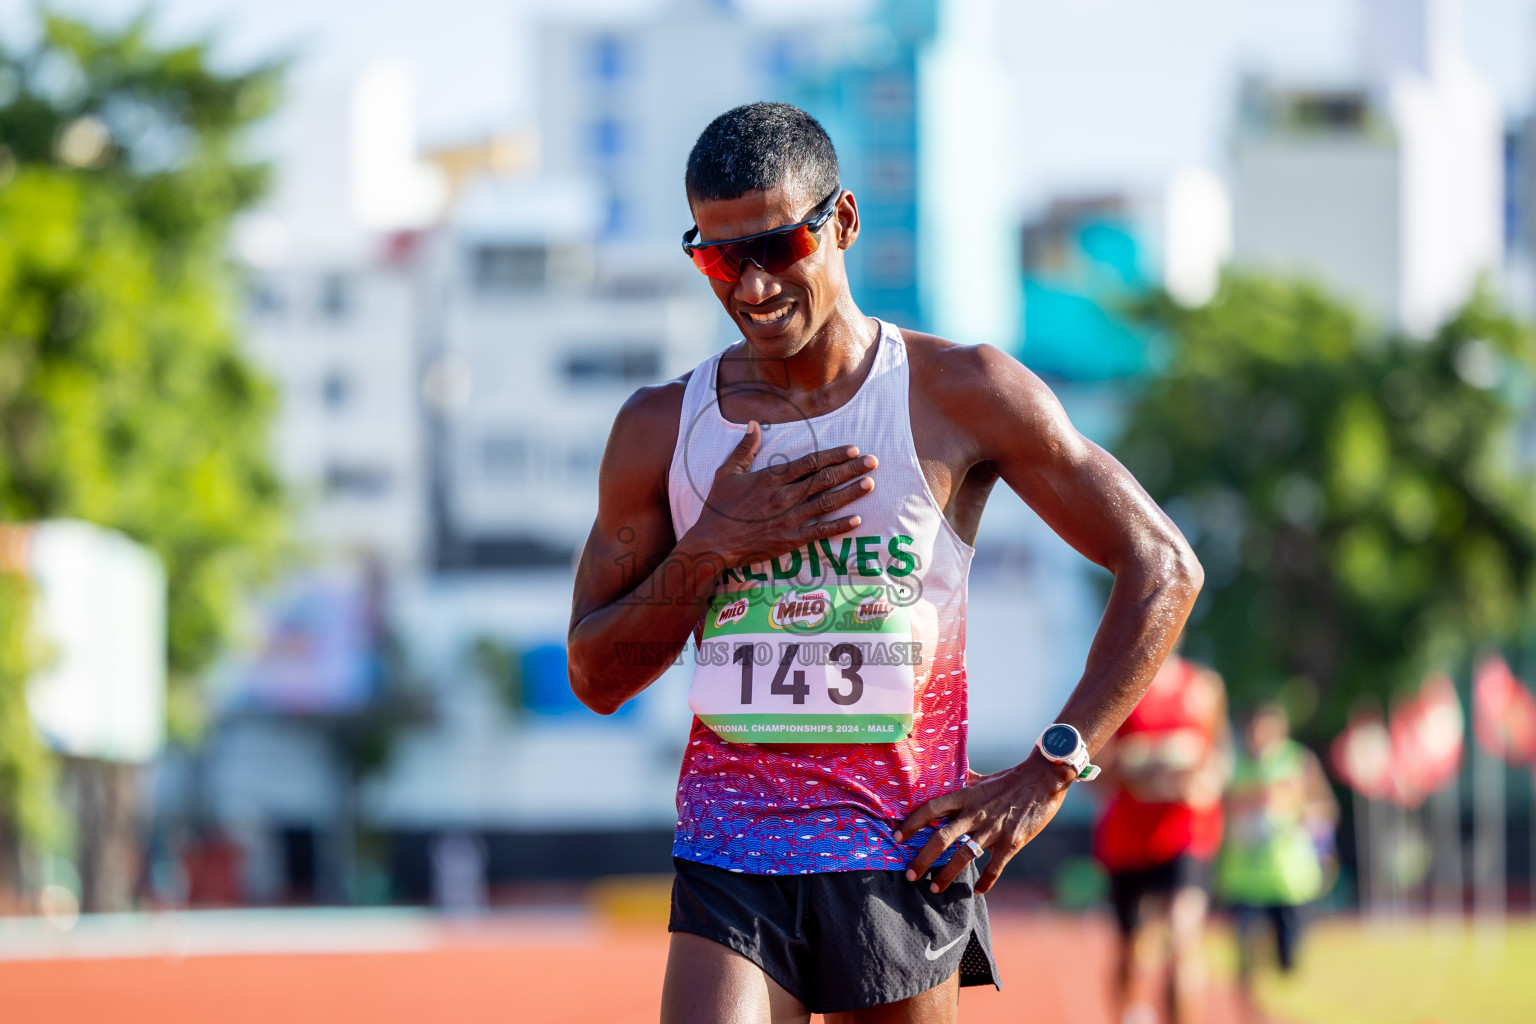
pixel 756 285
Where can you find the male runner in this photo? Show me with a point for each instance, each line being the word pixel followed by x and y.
pixel 804 504
pixel 1164 774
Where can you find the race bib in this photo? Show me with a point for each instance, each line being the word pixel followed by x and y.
pixel 819 664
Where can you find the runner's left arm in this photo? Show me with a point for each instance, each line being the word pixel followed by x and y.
pixel 1020 434
pixel 1321 805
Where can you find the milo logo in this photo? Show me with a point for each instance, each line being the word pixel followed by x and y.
pixel 874 610
pixel 800 611
pixel 733 612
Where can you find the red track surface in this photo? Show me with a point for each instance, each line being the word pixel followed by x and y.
pixel 1053 969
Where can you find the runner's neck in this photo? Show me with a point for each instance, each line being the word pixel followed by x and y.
pixel 821 377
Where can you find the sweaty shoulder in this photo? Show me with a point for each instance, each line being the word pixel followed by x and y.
pixel 643 437
pixel 979 389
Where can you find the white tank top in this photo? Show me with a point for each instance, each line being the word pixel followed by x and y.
pixel 795 788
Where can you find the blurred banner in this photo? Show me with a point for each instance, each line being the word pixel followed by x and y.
pixel 1362 755
pixel 1503 712
pixel 315 649
pixel 1426 736
pixel 1393 768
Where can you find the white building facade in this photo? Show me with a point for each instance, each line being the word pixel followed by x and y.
pixel 1390 190
pixel 537 336
pixel 615 107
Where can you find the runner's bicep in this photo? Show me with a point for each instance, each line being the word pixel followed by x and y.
pixel 1083 493
pixel 618 555
pixel 632 532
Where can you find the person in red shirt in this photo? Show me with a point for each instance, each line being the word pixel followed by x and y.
pixel 1165 771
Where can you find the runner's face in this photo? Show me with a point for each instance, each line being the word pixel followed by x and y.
pixel 1267 728
pixel 778 314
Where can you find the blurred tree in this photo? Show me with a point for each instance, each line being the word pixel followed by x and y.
pixel 123 397
pixel 26 775
pixel 500 664
pixel 1364 504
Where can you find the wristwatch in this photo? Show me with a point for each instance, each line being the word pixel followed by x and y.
pixel 1062 744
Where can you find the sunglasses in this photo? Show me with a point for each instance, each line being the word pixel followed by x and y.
pixel 775 251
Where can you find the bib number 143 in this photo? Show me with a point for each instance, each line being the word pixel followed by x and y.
pixel 846 655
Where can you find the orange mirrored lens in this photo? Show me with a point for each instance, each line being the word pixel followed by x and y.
pixel 775 253
pixel 713 261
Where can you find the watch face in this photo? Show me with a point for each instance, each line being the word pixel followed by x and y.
pixel 1059 741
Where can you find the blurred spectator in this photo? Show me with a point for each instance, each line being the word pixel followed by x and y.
pixel 1164 772
pixel 1279 808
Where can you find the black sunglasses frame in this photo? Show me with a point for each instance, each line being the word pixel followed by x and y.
pixel 817 220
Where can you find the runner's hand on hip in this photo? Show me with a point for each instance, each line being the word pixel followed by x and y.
pixel 754 515
pixel 1000 812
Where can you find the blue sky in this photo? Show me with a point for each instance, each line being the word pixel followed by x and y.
pixel 1106 93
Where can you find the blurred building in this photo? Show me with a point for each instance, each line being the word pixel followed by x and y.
pixel 1390 188
pixel 869 100
pixel 1520 215
pixel 536 335
pixel 332 317
pixel 1086 260
pixel 340 341
pixel 616 106
pixel 968 279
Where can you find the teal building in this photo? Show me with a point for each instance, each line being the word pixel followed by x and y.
pixel 1085 263
pixel 868 100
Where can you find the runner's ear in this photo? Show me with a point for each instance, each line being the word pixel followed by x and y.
pixel 847 218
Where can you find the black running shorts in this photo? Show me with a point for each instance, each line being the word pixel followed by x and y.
pixel 843 940
pixel 1128 888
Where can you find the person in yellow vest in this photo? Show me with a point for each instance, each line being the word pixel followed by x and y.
pixel 1280 810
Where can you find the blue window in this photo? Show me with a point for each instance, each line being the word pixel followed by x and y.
pixel 606 138
pixel 892 173
pixel 336 389
pixel 607 59
pixel 1515 176
pixel 890 96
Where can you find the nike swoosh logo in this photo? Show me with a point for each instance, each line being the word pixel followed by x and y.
pixel 934 954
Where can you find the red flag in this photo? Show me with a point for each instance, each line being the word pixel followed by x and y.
pixel 1426 737
pixel 1362 756
pixel 1503 712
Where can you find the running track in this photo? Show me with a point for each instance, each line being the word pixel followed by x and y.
pixel 554 970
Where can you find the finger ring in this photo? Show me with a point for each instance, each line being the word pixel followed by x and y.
pixel 971 844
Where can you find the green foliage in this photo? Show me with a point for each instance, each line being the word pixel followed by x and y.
pixel 498 664
pixel 123 397
pixel 1360 501
pixel 26 774
pixel 157 125
pixel 367 738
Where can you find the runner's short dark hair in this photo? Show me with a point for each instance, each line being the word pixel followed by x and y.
pixel 761 146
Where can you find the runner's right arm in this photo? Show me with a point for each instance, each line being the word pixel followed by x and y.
pixel 640 590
